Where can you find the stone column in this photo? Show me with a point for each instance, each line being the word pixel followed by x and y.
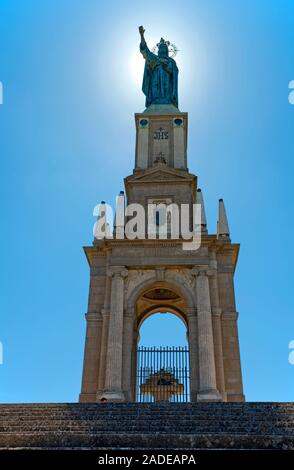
pixel 91 358
pixel 217 329
pixel 128 341
pixel 134 363
pixel 232 355
pixel 193 346
pixel 103 353
pixel 218 347
pixel 207 375
pixel 113 376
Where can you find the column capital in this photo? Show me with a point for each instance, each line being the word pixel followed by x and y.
pixel 93 316
pixel 213 265
pixel 117 271
pixel 216 312
pixel 130 312
pixel 160 273
pixel 230 316
pixel 191 313
pixel 104 312
pixel 202 271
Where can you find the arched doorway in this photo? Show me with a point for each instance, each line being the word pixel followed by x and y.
pixel 163 329
pixel 163 364
pixel 161 370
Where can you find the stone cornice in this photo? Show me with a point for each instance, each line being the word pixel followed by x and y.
pixel 173 181
pixel 207 241
pixel 159 115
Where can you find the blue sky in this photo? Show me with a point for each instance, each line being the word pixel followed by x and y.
pixel 71 75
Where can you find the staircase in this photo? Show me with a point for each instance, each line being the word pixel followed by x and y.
pixel 150 425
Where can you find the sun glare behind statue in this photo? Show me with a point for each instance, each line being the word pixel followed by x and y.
pixel 137 67
pixel 137 63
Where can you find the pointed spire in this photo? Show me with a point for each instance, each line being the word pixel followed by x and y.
pixel 102 210
pixel 119 220
pixel 100 226
pixel 222 224
pixel 199 200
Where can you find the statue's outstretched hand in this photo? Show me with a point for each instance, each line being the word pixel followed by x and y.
pixel 141 30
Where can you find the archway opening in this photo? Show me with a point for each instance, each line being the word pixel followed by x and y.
pixel 162 329
pixel 163 366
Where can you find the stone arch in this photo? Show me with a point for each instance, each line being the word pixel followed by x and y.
pixel 161 309
pixel 174 283
pixel 139 309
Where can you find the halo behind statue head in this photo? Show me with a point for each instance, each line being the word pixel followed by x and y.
pixel 172 48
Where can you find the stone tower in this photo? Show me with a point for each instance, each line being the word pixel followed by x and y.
pixel 132 278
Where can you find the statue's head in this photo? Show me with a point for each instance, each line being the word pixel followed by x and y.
pixel 162 48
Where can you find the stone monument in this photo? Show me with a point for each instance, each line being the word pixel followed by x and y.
pixel 127 276
pixel 130 280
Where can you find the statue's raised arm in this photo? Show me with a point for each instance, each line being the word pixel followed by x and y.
pixel 151 58
pixel 142 31
pixel 160 81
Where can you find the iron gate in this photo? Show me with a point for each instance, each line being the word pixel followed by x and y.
pixel 163 374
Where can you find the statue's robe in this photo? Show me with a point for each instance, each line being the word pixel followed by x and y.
pixel 160 82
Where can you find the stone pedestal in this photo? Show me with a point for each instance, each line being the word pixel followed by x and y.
pixel 161 135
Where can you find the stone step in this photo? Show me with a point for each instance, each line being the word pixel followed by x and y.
pixel 136 424
pixel 129 420
pixel 204 431
pixel 156 423
pixel 169 441
pixel 100 412
pixel 159 405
